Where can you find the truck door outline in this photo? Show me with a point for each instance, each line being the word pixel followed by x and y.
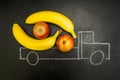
pixel 79 52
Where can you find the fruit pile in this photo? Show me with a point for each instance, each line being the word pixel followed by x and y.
pixel 42 41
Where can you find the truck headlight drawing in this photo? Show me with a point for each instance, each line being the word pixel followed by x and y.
pixel 86 49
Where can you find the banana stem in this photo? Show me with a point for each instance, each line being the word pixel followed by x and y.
pixel 57 32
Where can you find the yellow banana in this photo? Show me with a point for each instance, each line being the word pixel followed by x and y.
pixel 32 43
pixel 52 17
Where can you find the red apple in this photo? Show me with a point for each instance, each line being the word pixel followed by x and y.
pixel 41 30
pixel 65 43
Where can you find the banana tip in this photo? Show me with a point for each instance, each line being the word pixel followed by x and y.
pixel 74 37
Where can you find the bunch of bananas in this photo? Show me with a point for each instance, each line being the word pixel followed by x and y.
pixel 47 43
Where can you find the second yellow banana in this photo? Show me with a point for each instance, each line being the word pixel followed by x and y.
pixel 52 17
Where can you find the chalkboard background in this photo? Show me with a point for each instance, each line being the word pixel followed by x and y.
pixel 102 17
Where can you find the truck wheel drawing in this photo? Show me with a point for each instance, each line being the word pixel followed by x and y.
pixel 87 49
pixel 37 58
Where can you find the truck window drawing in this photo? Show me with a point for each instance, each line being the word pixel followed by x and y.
pixel 87 49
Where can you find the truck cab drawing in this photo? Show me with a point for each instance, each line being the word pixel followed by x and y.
pixel 87 49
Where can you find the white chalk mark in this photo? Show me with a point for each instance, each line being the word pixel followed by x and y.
pixel 78 47
pixel 79 52
pixel 20 53
pixel 27 57
pixel 108 44
pixel 58 59
pixel 81 45
pixel 83 58
pixel 80 38
pixel 87 32
pixel 91 61
pixel 57 48
pixel 108 51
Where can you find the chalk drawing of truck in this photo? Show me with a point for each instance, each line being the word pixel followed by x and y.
pixel 87 49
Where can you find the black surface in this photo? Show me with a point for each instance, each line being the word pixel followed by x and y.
pixel 102 17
